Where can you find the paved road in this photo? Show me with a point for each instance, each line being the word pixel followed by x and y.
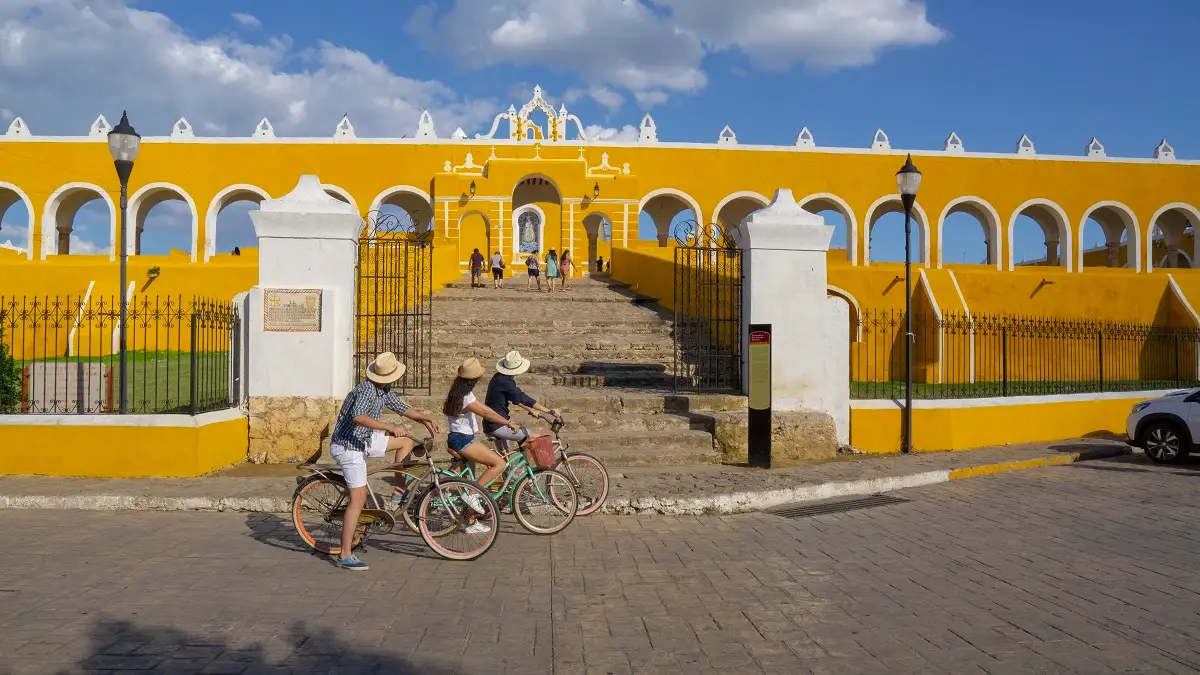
pixel 1091 568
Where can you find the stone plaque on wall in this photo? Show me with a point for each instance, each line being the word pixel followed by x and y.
pixel 292 310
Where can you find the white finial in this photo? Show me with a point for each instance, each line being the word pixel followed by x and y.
pixel 953 143
pixel 648 132
pixel 264 129
pixel 1164 152
pixel 1025 147
pixel 182 129
pixel 425 126
pixel 537 92
pixel 344 128
pixel 805 139
pixel 18 129
pixel 727 137
pixel 309 196
pixel 100 128
pixel 458 134
pixel 1095 148
pixel 881 142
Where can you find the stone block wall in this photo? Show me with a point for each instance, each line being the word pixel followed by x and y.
pixel 804 436
pixel 290 428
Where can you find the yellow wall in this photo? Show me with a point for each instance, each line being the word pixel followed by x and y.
pixel 969 425
pixel 100 450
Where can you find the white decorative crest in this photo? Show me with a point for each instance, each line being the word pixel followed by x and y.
pixel 953 143
pixel 18 128
pixel 805 139
pixel 648 132
pixel 727 137
pixel 469 166
pixel 521 126
pixel 459 134
pixel 100 128
pixel 182 129
pixel 881 142
pixel 264 129
pixel 625 169
pixel 604 168
pixel 1164 152
pixel 1025 147
pixel 425 126
pixel 1095 148
pixel 344 129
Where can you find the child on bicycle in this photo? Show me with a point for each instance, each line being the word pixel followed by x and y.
pixel 461 409
pixel 359 434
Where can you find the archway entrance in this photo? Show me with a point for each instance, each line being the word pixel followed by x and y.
pixel 598 228
pixel 474 232
pixel 661 210
pixel 93 234
pixel 227 224
pixel 536 223
pixel 1052 221
pixel 1171 237
pixel 172 217
pixel 406 203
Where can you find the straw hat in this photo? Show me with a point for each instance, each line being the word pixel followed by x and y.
pixel 386 369
pixel 470 369
pixel 513 363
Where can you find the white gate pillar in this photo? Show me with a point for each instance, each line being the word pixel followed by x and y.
pixel 300 321
pixel 784 252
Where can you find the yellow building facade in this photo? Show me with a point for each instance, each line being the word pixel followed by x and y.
pixel 526 185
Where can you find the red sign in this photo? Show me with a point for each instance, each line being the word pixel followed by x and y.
pixel 760 337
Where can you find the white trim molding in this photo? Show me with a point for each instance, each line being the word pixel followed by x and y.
pixel 29 217
pixel 1150 224
pixel 988 218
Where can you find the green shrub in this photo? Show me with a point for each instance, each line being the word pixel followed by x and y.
pixel 10 381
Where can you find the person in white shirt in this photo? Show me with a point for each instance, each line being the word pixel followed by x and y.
pixel 461 409
pixel 497 270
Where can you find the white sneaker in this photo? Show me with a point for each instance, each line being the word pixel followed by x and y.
pixel 478 528
pixel 475 503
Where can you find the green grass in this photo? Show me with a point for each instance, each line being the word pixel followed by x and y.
pixel 159 382
pixel 895 389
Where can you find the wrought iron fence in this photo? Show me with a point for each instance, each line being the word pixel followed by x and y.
pixel 708 308
pixel 61 354
pixel 957 355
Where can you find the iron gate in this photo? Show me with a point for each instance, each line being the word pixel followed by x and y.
pixel 394 308
pixel 708 308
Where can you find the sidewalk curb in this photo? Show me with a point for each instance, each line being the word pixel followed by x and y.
pixel 738 502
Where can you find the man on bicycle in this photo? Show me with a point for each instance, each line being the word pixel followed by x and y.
pixel 359 434
pixel 503 391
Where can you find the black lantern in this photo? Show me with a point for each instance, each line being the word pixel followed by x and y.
pixel 472 188
pixel 123 145
pixel 596 191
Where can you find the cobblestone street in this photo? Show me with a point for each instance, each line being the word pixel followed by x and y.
pixel 1088 568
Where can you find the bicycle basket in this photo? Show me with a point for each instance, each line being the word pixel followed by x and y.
pixel 539 452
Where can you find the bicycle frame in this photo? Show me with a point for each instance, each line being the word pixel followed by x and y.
pixel 516 467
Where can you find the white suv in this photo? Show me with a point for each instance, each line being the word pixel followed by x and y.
pixel 1164 427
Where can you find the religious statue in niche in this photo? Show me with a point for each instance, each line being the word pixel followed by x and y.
pixel 529 226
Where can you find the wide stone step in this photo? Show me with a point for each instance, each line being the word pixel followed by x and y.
pixel 616 400
pixel 457 352
pixel 451 328
pixel 571 367
pixel 523 297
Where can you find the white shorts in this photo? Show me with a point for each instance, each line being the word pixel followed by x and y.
pixel 354 462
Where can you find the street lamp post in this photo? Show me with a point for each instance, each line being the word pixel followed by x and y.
pixel 908 179
pixel 123 144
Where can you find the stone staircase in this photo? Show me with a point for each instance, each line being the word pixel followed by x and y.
pixel 599 352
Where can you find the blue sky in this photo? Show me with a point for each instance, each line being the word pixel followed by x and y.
pixel 1060 72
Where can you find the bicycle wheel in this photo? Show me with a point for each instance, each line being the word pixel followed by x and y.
pixel 545 503
pixel 446 518
pixel 590 479
pixel 317 510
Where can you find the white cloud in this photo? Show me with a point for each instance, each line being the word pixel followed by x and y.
pixel 605 96
pixel 247 20
pixel 599 133
pixel 103 56
pixel 655 48
pixel 6 114
pixel 84 247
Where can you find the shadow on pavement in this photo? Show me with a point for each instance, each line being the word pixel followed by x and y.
pixel 122 645
pixel 279 532
pixel 1140 463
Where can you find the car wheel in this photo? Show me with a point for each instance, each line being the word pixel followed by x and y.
pixel 1165 443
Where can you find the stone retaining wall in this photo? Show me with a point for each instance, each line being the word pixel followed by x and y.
pixel 290 428
pixel 794 436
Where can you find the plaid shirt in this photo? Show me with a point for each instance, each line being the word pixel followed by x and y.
pixel 366 399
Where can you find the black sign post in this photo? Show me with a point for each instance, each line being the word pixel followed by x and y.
pixel 759 432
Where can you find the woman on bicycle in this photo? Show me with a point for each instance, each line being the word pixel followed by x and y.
pixel 461 409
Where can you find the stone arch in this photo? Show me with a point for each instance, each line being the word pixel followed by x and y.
pixel 1053 221
pixel 535 187
pixel 663 205
pixel 233 193
pixel 412 200
pixel 827 201
pixel 471 238
pixel 855 311
pixel 1173 220
pixel 58 217
pixel 1115 219
pixel 892 204
pixel 340 194
pixel 988 218
pixel 9 195
pixel 146 198
pixel 594 226
pixel 734 208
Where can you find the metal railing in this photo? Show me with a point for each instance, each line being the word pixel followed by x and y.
pixel 183 355
pixel 957 355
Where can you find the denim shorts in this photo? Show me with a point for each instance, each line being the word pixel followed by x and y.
pixel 458 441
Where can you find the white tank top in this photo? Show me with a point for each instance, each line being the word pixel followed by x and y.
pixel 464 423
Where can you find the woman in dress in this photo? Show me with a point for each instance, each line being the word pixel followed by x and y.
pixel 551 269
pixel 564 267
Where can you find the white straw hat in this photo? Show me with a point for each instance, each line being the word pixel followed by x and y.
pixel 513 363
pixel 386 369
